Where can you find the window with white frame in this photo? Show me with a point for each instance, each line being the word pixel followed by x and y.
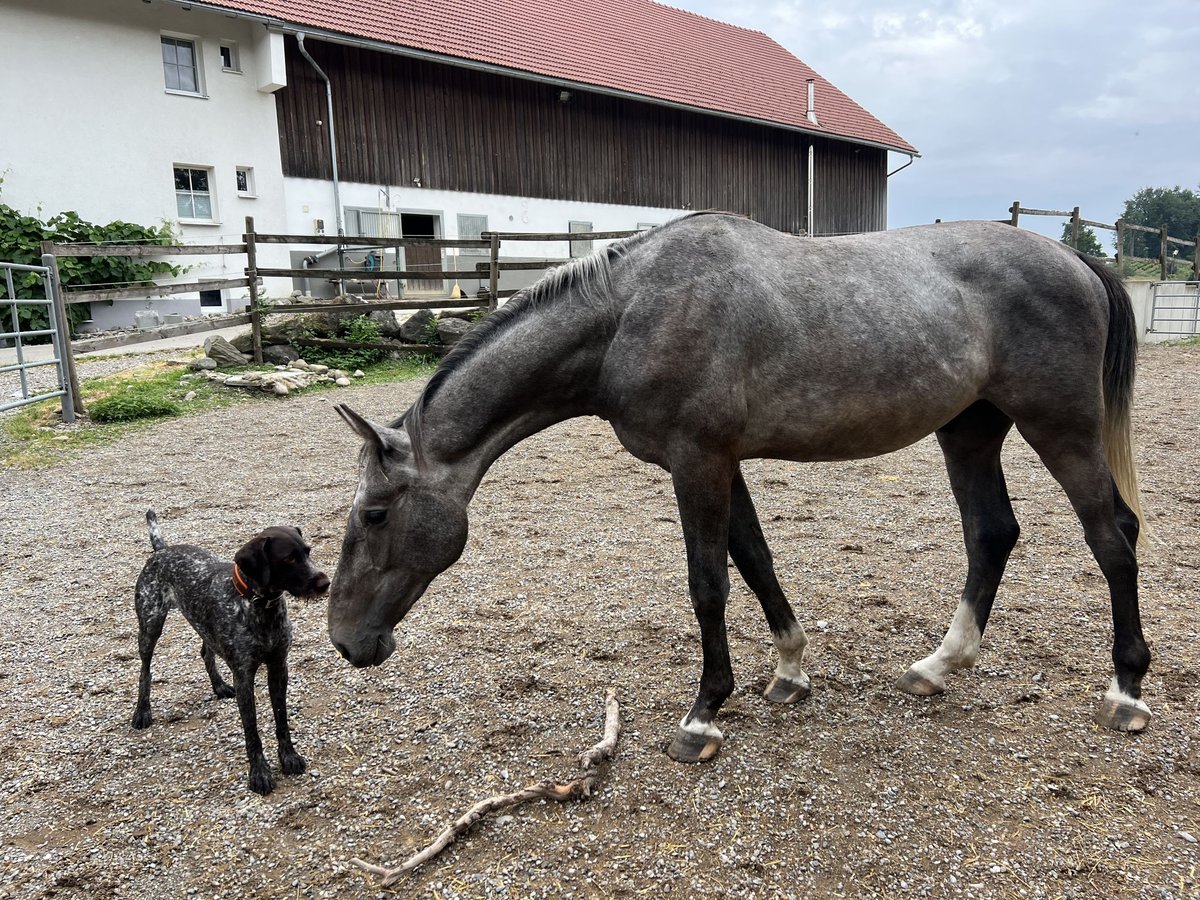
pixel 181 65
pixel 229 57
pixel 245 181
pixel 580 248
pixel 193 194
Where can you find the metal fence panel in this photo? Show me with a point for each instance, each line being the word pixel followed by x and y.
pixel 1175 308
pixel 10 306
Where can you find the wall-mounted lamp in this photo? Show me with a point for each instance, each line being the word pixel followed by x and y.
pixel 564 96
pixel 417 181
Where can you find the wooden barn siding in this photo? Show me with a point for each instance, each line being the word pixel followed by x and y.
pixel 456 129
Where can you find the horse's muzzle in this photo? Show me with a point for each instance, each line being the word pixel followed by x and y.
pixel 366 650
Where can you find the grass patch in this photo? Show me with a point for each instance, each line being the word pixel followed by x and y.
pixel 34 437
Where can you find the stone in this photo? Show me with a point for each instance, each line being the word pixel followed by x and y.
pixel 387 321
pixel 342 382
pixel 280 388
pixel 226 355
pixel 189 396
pixel 359 373
pixel 280 354
pixel 451 331
pixel 203 363
pixel 416 328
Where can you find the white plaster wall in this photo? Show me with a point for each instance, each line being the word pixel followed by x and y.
pixel 311 199
pixel 87 125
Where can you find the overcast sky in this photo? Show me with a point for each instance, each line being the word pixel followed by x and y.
pixel 1056 103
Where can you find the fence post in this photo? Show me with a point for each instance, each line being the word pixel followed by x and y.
pixel 1162 252
pixel 1015 209
pixel 252 276
pixel 55 294
pixel 494 274
pixel 1196 260
pixel 1075 228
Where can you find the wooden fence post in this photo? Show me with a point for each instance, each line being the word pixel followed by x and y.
pixel 1162 252
pixel 1196 260
pixel 1015 209
pixel 54 289
pixel 494 275
pixel 1120 242
pixel 252 276
pixel 1075 228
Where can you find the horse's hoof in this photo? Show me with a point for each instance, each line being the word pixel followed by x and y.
pixel 1123 714
pixel 693 746
pixel 780 690
pixel 919 684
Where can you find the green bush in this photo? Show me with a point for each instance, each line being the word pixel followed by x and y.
pixel 21 237
pixel 134 401
pixel 360 330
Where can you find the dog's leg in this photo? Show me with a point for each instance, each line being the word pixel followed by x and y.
pixel 260 773
pixel 152 612
pixel 277 681
pixel 219 686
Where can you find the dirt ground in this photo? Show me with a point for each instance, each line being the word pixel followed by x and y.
pixel 574 580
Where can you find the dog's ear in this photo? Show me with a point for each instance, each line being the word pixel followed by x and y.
pixel 254 563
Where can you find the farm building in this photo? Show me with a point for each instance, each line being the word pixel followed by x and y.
pixel 449 119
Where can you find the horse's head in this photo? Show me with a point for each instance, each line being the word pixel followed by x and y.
pixel 405 528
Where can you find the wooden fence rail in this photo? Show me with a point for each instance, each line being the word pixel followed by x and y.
pixel 1120 227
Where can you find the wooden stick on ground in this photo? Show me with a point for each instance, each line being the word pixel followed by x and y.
pixel 589 761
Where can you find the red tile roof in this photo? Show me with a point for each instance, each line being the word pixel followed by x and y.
pixel 631 46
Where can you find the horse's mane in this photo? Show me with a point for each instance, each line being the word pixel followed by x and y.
pixel 588 276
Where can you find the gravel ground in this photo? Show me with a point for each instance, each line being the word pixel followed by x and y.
pixel 573 580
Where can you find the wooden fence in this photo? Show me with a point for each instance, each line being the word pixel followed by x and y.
pixel 1121 227
pixel 490 240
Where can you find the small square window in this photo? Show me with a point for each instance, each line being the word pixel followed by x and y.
pixel 181 70
pixel 193 196
pixel 209 299
pixel 471 227
pixel 580 248
pixel 245 181
pixel 229 57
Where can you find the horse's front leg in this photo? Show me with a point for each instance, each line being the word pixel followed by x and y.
pixel 702 489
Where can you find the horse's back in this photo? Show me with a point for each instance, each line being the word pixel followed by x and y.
pixel 828 348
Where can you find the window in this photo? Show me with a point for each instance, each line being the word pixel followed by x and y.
pixel 193 197
pixel 470 228
pixel 245 181
pixel 372 222
pixel 229 57
pixel 181 68
pixel 210 299
pixel 580 248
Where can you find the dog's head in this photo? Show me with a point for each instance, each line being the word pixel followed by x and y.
pixel 278 560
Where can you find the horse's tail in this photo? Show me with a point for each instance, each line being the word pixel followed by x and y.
pixel 1120 361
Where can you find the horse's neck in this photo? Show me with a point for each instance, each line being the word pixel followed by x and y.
pixel 543 368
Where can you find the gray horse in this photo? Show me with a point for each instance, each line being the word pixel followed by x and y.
pixel 713 339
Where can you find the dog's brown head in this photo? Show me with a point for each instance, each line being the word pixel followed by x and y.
pixel 278 560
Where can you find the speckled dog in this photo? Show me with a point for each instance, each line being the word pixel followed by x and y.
pixel 239 612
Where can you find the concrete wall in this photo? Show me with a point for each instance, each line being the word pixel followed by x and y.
pixel 86 124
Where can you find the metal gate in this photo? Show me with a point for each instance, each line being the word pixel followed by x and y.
pixel 33 356
pixel 1175 308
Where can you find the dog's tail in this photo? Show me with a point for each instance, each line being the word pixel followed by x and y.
pixel 156 538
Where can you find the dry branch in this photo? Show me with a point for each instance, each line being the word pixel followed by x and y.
pixel 589 761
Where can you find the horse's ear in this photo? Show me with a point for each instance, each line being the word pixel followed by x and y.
pixel 383 438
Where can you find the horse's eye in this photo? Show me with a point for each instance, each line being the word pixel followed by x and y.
pixel 375 516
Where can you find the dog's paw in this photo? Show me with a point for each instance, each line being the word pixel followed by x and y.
pixel 260 779
pixel 293 764
pixel 224 692
pixel 142 718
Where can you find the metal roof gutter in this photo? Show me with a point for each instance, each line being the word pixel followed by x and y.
pixel 335 37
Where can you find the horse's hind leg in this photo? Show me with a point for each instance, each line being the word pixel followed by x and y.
pixel 971 445
pixel 1111 531
pixel 753 558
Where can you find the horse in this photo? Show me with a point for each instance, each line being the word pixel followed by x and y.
pixel 713 339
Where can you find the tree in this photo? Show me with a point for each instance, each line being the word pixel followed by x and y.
pixel 1088 242
pixel 1177 208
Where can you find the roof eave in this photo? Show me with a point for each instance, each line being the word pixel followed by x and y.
pixel 337 37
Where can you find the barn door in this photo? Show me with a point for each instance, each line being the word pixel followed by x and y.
pixel 422 257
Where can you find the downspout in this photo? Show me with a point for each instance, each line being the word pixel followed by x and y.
pixel 811 115
pixel 337 190
pixel 911 160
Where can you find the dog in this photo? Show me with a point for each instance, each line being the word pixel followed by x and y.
pixel 239 612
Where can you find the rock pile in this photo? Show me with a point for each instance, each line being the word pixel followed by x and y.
pixel 285 379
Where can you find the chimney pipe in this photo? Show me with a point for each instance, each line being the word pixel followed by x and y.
pixel 811 112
